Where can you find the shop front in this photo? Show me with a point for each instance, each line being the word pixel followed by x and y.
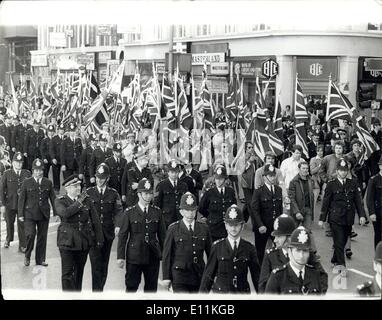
pixel 369 93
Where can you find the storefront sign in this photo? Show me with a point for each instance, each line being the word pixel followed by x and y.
pixel 103 57
pixel 368 70
pixel 86 60
pixel 160 67
pixel 103 30
pixel 39 60
pixel 373 64
pixel 112 66
pixel 247 68
pixel 219 68
pixel 269 68
pixel 208 58
pixel 71 61
pixel 57 39
pixel 316 69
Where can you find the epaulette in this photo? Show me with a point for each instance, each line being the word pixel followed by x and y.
pixel 219 240
pixel 173 224
pixel 155 207
pixel 61 197
pixel 279 268
pixel 364 286
pixel 268 251
pixel 112 189
pixel 129 208
pixel 309 266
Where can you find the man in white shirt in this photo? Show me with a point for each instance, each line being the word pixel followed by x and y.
pixel 289 167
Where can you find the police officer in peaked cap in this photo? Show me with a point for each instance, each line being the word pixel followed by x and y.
pixel 140 240
pixel 85 158
pixel 108 205
pixel 117 166
pixel 99 155
pixel 55 155
pixel 231 258
pixel 296 276
pixel 186 242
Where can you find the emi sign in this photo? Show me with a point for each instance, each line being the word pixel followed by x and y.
pixel 269 68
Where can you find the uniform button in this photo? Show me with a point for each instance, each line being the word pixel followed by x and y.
pixel 290 291
pixel 235 267
pixel 235 277
pixel 194 252
pixel 193 244
pixel 147 234
pixel 147 226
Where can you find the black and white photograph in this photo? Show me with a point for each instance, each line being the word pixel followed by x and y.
pixel 191 150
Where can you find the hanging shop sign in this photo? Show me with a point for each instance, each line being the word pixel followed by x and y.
pixel 39 60
pixel 317 69
pixel 207 58
pixel 219 68
pixel 103 57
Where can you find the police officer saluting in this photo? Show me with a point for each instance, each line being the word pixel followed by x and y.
pixel 296 276
pixel 373 288
pixel 169 193
pixel 34 210
pixel 10 185
pixel 278 256
pixel 215 202
pixel 342 197
pixel 109 208
pixel 80 229
pixel 117 165
pixel 186 241
pixel 140 241
pixel 230 259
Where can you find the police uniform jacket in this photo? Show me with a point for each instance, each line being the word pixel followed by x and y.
pixel 109 208
pixel 213 206
pixel 341 201
pixel 44 149
pixel 20 136
pixel 374 196
pixel 141 237
pixel 80 227
pixel 116 172
pixel 55 148
pixel 98 156
pixel 369 289
pixel 10 185
pixel 183 252
pixel 32 142
pixel 84 165
pixel 189 180
pixel 168 199
pixel 17 139
pixel 283 280
pixel 33 199
pixel 225 273
pixel 124 177
pixel 266 207
pixel 70 151
pixel 275 258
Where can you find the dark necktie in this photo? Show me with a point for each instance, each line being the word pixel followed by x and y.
pixel 145 211
pixel 222 192
pixel 272 192
pixel 190 228
pixel 301 280
pixel 235 248
pixel 101 192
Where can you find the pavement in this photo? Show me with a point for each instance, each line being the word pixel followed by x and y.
pixel 15 276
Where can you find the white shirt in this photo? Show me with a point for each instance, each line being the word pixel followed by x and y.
pixel 101 190
pixel 143 208
pixel 187 224
pixel 220 190
pixel 289 169
pixel 172 182
pixel 342 181
pixel 38 180
pixel 18 172
pixel 297 272
pixel 139 168
pixel 269 187
pixel 285 252
pixel 232 242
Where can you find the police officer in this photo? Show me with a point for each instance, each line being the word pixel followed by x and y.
pixel 70 152
pixel 215 202
pixel 15 136
pixel 186 242
pixel 230 259
pixel 10 185
pixel 373 288
pixel 99 156
pixel 169 193
pixel 342 197
pixel 296 276
pixel 134 173
pixel 85 158
pixel 34 210
pixel 278 256
pixel 117 165
pixel 374 203
pixel 32 143
pixel 55 155
pixel 109 208
pixel 44 150
pixel 266 206
pixel 140 241
pixel 79 230
pixel 192 178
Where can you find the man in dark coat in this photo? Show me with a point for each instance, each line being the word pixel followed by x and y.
pixel 10 185
pixel 169 193
pixel 86 154
pixel 186 242
pixel 215 202
pixel 80 229
pixel 34 210
pixel 266 206
pixel 117 165
pixel 109 208
pixel 55 155
pixel 70 152
pixel 230 259
pixel 140 241
pixel 32 143
pixel 99 156
pixel 192 178
pixel 44 150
